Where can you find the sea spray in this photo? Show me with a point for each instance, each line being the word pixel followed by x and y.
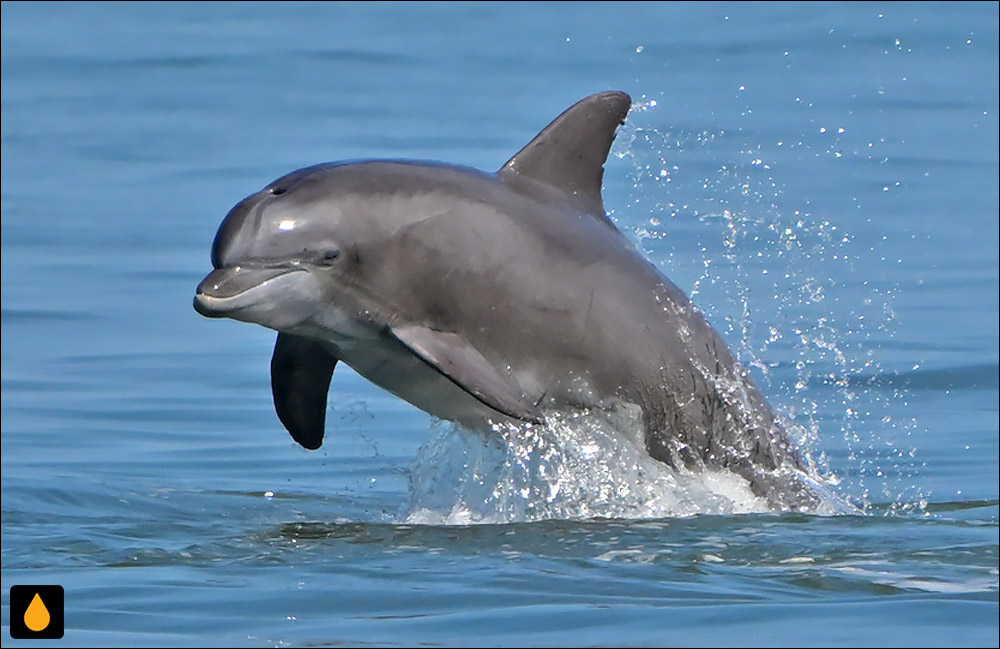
pixel 576 466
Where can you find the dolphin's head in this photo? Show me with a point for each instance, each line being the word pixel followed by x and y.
pixel 275 254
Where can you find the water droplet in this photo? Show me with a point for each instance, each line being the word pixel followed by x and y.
pixel 37 616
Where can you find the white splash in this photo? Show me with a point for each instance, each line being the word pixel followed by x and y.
pixel 574 467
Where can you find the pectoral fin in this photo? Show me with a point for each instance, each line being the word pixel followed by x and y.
pixel 301 370
pixel 456 359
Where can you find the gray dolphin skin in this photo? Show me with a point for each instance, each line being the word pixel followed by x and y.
pixel 486 298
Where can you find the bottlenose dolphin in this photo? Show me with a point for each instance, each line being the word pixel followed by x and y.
pixel 485 298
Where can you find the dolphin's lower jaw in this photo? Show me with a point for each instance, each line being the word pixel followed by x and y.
pixel 266 295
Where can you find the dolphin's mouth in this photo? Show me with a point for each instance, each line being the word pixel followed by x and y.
pixel 228 290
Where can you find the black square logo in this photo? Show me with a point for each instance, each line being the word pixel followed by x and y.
pixel 36 612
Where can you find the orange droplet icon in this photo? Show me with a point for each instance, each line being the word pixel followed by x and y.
pixel 37 616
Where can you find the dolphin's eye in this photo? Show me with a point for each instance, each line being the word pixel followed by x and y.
pixel 327 257
pixel 278 190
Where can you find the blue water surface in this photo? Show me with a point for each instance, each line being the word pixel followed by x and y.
pixel 821 178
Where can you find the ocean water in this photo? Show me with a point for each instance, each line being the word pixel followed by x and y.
pixel 822 179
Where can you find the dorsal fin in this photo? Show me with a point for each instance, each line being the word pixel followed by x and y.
pixel 569 153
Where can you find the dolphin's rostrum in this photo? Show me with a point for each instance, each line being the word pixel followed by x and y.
pixel 485 298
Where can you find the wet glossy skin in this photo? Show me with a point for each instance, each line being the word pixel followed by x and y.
pixel 490 297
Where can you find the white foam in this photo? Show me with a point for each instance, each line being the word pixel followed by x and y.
pixel 574 467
